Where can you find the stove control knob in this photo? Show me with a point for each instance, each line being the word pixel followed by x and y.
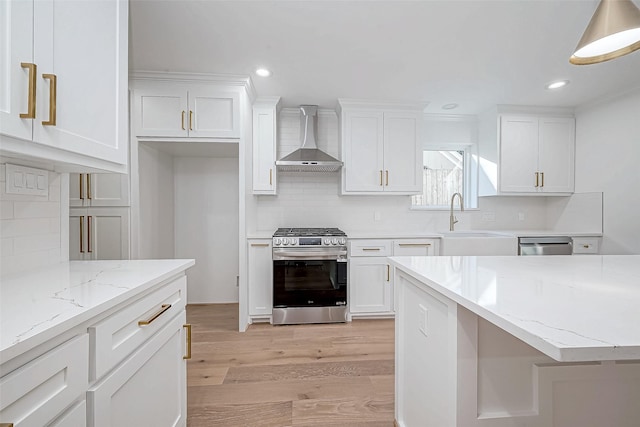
pixel 334 241
pixel 285 241
pixel 327 241
pixel 293 241
pixel 342 241
pixel 276 241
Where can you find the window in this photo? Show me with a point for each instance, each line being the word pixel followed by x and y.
pixel 445 172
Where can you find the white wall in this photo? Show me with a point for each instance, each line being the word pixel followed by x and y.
pixel 313 200
pixel 206 225
pixel 608 160
pixel 33 232
pixel 156 237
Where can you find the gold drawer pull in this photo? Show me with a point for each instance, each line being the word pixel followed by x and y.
pixel 163 308
pixel 187 326
pixel 586 246
pixel 53 96
pixel 386 178
pixel 541 179
pixel 415 244
pixel 381 178
pixel 388 274
pixel 537 179
pixel 183 121
pixel 81 234
pixel 89 186
pixel 370 249
pixel 270 176
pixel 6 424
pixel 31 99
pixel 190 120
pixel 259 245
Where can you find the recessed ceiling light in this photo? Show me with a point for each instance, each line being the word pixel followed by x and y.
pixel 557 84
pixel 263 72
pixel 449 106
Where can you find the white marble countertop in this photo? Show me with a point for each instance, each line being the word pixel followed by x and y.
pixel 39 305
pixel 571 308
pixel 439 234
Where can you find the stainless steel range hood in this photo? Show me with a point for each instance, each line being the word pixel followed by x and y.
pixel 308 158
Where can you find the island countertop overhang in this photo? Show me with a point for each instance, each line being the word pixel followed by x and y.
pixel 570 308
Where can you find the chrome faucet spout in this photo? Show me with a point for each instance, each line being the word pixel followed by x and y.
pixel 452 218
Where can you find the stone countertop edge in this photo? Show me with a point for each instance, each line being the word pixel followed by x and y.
pixel 169 268
pixel 585 353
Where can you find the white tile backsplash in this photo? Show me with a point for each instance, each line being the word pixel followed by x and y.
pixel 30 228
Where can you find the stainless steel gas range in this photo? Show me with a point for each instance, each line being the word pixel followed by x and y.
pixel 309 276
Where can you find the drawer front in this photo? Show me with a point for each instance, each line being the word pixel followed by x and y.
pixel 584 245
pixel 414 247
pixel 49 384
pixel 370 248
pixel 148 388
pixel 74 417
pixel 115 337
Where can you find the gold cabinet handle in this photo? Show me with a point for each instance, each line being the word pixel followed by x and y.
pixel 414 244
pixel 53 84
pixel 187 326
pixel 31 97
pixel 163 308
pixel 182 123
pixel 89 249
pixel 537 176
pixel 370 249
pixel 259 245
pixel 586 246
pixel 190 120
pixel 541 179
pixel 81 187
pixel 6 424
pixel 386 178
pixel 388 272
pixel 270 176
pixel 89 186
pixel 82 234
pixel 380 178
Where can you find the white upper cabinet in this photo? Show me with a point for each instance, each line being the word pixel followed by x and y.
pixel 98 189
pixel 265 111
pixel 64 97
pixel 165 109
pixel 528 154
pixel 380 148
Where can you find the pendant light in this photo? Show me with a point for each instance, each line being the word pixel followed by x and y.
pixel 614 30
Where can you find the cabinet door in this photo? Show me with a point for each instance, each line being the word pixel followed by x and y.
pixel 84 44
pixel 518 154
pixel 160 112
pixel 16 33
pixel 260 266
pixel 264 150
pixel 148 388
pixel 556 154
pixel 107 189
pixel 78 234
pixel 363 152
pixel 402 162
pixel 108 235
pixel 214 113
pixel 370 285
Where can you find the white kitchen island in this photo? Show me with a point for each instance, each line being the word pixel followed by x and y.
pixel 517 341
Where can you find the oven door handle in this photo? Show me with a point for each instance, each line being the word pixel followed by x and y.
pixel 284 255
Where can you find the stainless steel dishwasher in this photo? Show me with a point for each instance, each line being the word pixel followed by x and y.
pixel 543 245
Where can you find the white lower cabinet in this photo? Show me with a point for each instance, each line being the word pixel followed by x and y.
pixel 586 245
pixel 260 277
pixel 148 388
pixel 40 391
pixel 371 275
pixel 128 370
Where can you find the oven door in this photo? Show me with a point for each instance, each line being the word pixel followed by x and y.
pixel 309 281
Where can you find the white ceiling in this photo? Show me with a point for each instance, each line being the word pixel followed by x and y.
pixel 474 53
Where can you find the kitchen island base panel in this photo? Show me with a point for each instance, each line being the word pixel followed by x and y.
pixel 454 368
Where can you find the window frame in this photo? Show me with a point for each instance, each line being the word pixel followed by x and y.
pixel 470 171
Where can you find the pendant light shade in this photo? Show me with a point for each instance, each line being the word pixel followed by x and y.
pixel 614 30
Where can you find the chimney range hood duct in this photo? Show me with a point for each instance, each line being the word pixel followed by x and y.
pixel 308 158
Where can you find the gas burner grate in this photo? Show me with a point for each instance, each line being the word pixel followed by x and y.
pixel 308 232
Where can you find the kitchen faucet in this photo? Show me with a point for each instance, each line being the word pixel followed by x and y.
pixel 453 219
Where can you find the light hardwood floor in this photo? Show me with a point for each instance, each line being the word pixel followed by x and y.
pixel 295 375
